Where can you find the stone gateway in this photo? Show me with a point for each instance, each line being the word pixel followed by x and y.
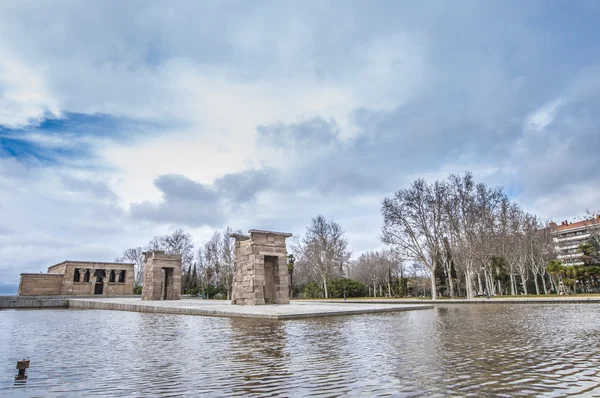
pixel 162 276
pixel 261 272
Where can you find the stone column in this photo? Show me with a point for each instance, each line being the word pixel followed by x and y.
pixel 86 284
pixel 92 281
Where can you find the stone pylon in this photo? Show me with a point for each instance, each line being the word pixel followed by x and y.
pixel 261 272
pixel 162 276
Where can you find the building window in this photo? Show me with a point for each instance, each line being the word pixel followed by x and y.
pixel 76 275
pixel 86 276
pixel 122 277
pixel 111 278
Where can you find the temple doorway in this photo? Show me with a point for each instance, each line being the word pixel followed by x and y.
pixel 167 284
pixel 271 281
pixel 99 287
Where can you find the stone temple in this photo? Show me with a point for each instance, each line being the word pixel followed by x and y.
pixel 79 278
pixel 261 272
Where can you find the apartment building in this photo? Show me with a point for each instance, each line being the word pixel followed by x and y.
pixel 569 236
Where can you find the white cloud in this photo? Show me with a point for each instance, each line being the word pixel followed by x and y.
pixel 543 117
pixel 24 97
pixel 443 89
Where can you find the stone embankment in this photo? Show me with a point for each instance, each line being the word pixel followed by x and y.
pixel 222 308
pixel 33 302
pixel 15 302
pixel 215 308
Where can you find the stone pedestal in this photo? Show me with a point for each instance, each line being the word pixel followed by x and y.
pixel 162 276
pixel 261 273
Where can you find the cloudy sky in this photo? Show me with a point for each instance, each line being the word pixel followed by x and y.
pixel 123 120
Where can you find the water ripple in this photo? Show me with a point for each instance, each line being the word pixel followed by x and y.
pixel 456 351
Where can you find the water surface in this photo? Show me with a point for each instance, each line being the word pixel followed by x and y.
pixel 460 350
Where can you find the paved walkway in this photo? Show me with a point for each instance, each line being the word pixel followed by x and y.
pixel 222 308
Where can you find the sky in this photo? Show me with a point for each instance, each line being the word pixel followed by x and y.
pixel 120 121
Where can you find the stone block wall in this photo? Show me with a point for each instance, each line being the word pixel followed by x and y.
pixel 155 286
pixel 40 284
pixel 59 280
pixel 81 288
pixel 254 284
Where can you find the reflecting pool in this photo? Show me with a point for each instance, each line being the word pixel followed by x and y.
pixel 456 350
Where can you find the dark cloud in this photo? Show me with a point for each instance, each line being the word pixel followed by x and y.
pixel 96 189
pixel 300 136
pixel 482 69
pixel 191 213
pixel 194 204
pixel 182 188
pixel 565 152
pixel 242 187
pixel 327 165
pixel 184 202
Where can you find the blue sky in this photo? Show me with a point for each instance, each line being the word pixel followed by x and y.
pixel 123 120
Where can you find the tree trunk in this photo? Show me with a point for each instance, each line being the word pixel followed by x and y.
pixel 524 284
pixel 544 284
pixel 433 292
pixel 513 290
pixel 468 287
pixel 490 284
pixel 451 284
pixel 553 285
pixel 479 283
pixel 537 288
pixel 325 287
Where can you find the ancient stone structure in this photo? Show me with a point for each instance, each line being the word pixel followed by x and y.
pixel 79 278
pixel 162 276
pixel 261 273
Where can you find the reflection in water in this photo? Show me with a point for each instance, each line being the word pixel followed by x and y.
pixel 259 359
pixel 474 350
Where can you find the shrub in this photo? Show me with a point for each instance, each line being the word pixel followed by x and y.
pixel 354 288
pixel 312 290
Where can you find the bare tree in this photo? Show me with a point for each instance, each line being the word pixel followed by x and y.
pixel 411 223
pixel 323 250
pixel 227 260
pixel 180 243
pixel 458 225
pixel 378 270
pixel 521 250
pixel 135 256
pixel 205 273
pixel 212 256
